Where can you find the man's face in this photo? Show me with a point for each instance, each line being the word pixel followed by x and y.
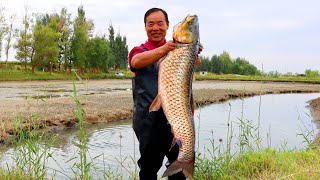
pixel 156 27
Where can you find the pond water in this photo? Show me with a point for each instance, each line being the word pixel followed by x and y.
pixel 282 118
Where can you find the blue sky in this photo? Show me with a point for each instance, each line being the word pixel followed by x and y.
pixel 282 35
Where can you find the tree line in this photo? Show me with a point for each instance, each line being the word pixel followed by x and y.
pixel 54 41
pixel 224 64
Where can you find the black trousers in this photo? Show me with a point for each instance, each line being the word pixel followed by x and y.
pixel 155 140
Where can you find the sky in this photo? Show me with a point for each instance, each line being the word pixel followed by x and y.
pixel 274 35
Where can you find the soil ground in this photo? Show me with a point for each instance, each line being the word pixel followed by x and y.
pixel 51 103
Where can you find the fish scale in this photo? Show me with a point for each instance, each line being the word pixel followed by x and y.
pixel 175 93
pixel 175 86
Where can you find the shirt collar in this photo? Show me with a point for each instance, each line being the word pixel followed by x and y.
pixel 151 45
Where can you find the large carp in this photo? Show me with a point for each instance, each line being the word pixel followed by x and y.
pixel 175 93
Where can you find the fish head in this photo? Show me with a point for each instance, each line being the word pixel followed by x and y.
pixel 187 31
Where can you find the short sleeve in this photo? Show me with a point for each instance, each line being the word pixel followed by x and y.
pixel 134 51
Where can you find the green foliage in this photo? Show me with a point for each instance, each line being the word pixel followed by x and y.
pixel 24 45
pixel 223 64
pixel 79 40
pixel 227 63
pixel 46 48
pixel 233 77
pixel 272 164
pixel 32 149
pixel 119 49
pixel 216 64
pixel 311 73
pixel 205 64
pixel 64 42
pixel 80 115
pixel 274 74
pixel 121 52
pixel 99 54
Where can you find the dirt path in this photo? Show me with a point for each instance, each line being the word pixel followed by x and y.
pixel 51 103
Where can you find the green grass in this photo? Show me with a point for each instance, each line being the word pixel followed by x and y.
pixel 22 75
pixel 269 163
pixel 264 164
pixel 32 150
pixel 233 77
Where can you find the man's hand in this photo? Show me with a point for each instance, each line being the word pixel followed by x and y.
pixel 169 46
pixel 200 49
pixel 198 62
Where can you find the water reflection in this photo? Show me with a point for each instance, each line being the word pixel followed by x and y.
pixel 282 118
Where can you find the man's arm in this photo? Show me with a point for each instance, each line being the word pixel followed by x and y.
pixel 147 58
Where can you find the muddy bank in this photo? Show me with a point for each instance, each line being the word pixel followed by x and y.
pixel 111 100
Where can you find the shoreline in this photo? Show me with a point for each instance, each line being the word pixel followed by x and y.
pixel 111 100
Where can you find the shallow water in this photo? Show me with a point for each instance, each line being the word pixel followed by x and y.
pixel 282 117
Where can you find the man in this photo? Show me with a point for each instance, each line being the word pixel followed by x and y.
pixel 152 129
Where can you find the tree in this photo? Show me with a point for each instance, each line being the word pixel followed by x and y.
pixel 111 36
pixel 24 46
pixel 120 51
pixel 124 53
pixel 224 64
pixel 205 64
pixel 227 63
pixel 45 44
pixel 64 42
pixel 112 44
pixel 10 32
pixel 273 74
pixel 3 27
pixel 311 73
pixel 99 54
pixel 216 64
pixel 80 39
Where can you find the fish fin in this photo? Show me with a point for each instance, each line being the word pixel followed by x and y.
pixel 174 142
pixel 156 104
pixel 187 169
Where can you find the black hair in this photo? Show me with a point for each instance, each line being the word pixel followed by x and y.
pixel 155 10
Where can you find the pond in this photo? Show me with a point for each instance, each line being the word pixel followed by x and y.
pixel 114 145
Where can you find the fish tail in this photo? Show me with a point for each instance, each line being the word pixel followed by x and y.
pixel 187 169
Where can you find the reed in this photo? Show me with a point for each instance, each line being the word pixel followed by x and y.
pixel 32 149
pixel 249 160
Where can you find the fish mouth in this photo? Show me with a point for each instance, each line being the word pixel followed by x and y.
pixel 186 32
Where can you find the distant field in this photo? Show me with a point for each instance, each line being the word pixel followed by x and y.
pixel 234 77
pixel 16 72
pixel 21 75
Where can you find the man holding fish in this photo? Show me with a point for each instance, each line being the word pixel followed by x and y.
pixel 165 94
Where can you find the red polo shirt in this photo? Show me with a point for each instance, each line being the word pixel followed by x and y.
pixel 138 49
